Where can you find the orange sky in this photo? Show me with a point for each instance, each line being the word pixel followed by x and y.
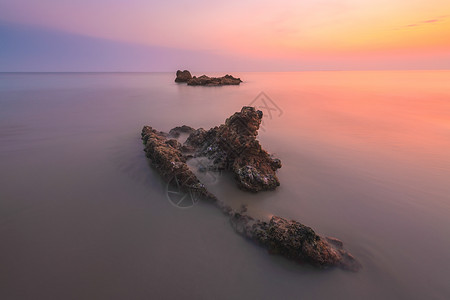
pixel 283 29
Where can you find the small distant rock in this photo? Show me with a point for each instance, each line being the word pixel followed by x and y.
pixel 183 76
pixel 214 81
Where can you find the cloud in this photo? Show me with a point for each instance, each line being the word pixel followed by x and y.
pixel 431 21
pixel 425 22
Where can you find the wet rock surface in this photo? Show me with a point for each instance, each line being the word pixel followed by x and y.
pixel 165 156
pixel 295 241
pixel 185 76
pixel 233 146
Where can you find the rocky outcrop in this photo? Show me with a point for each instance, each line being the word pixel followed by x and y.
pixel 295 241
pixel 233 146
pixel 183 76
pixel 214 81
pixel 165 156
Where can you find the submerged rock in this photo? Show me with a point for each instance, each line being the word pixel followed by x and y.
pixel 233 146
pixel 183 76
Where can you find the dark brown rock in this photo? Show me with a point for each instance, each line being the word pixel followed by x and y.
pixel 214 81
pixel 183 76
pixel 233 146
pixel 295 241
pixel 165 156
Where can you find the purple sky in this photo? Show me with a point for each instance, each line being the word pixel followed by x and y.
pixel 286 35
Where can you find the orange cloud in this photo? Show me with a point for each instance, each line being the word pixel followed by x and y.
pixel 421 23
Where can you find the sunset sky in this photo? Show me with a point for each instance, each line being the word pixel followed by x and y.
pixel 250 35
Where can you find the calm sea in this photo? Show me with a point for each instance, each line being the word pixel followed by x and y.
pixel 366 158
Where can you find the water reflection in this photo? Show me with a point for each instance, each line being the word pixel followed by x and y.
pixel 364 158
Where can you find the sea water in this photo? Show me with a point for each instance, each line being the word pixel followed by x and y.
pixel 366 159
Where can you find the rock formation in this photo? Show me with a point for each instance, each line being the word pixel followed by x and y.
pixel 233 146
pixel 185 76
pixel 214 81
pixel 165 156
pixel 295 241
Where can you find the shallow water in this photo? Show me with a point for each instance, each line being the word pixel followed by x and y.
pixel 82 215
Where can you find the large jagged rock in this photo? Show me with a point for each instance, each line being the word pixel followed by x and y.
pixel 233 146
pixel 183 76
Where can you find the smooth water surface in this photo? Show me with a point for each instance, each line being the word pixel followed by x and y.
pixel 82 215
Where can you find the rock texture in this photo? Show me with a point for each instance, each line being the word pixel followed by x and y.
pixel 165 156
pixel 183 76
pixel 214 81
pixel 233 146
pixel 295 241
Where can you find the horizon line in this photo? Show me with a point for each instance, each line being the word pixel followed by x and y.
pixel 211 71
